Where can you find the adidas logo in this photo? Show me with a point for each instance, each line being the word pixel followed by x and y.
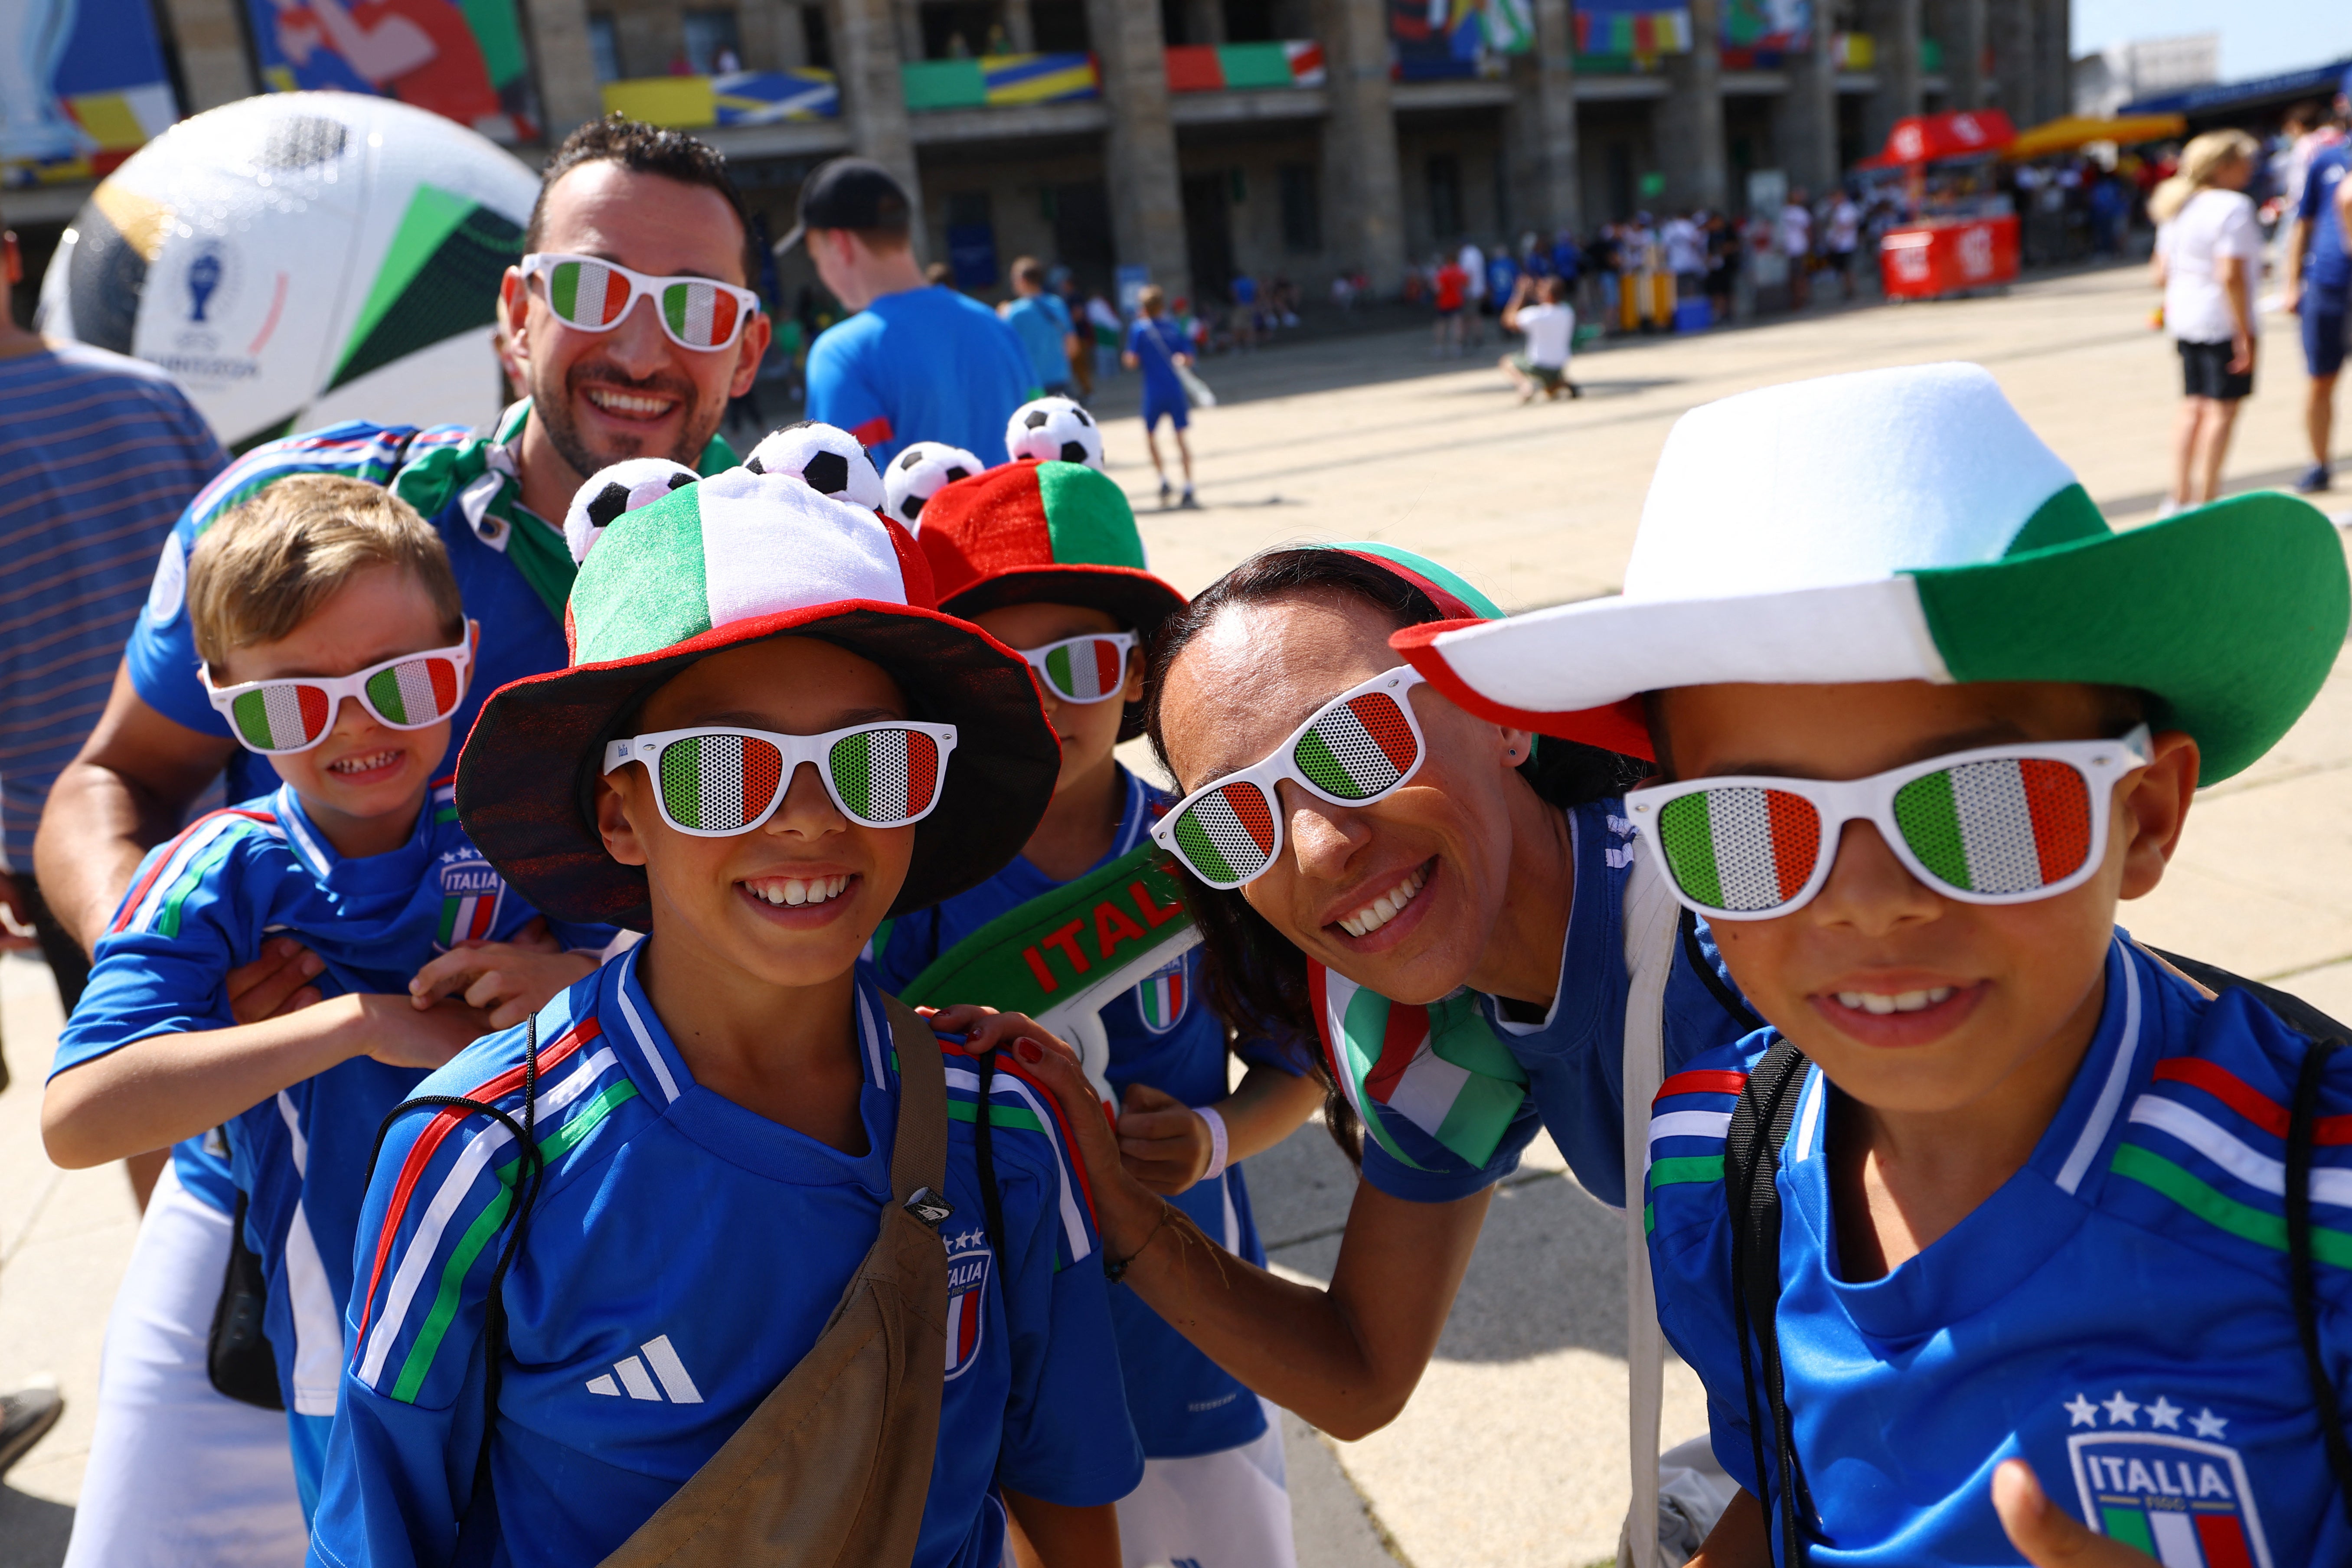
pixel 662 1357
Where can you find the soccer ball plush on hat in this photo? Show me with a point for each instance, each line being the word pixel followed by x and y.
pixel 1053 430
pixel 623 487
pixel 826 458
pixel 915 475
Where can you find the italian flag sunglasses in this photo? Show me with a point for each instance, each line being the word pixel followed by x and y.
pixel 2004 824
pixel 699 313
pixel 1091 668
pixel 279 717
pixel 718 782
pixel 1361 746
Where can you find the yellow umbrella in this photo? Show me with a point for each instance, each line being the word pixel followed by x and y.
pixel 2077 129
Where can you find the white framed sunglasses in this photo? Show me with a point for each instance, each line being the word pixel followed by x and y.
pixel 2000 825
pixel 717 782
pixel 699 313
pixel 1361 746
pixel 294 714
pixel 1089 668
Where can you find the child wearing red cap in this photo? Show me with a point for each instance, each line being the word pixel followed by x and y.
pixel 1046 557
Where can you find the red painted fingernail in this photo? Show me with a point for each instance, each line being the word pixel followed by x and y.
pixel 1029 1050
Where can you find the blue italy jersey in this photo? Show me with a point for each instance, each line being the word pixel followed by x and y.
pixel 513 569
pixel 2330 257
pixel 1164 1034
pixel 684 1254
pixel 2116 1313
pixel 1574 1056
pixel 927 365
pixel 204 903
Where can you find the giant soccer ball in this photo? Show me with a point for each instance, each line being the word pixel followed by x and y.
pixel 299 259
pixel 1053 430
pixel 920 472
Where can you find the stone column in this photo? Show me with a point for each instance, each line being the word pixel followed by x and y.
pixel 1689 124
pixel 1205 21
pixel 1020 30
pixel 1804 122
pixel 2053 37
pixel 1147 201
pixel 1964 46
pixel 2009 25
pixel 1541 128
pixel 909 23
pixel 1895 28
pixel 788 36
pixel 1360 147
pixel 873 97
pixel 211 52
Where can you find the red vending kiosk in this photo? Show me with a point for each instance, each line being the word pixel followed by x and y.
pixel 1959 229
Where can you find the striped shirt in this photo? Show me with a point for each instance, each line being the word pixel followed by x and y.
pixel 97 454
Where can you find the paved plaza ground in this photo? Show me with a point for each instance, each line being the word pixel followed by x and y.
pixel 1510 1455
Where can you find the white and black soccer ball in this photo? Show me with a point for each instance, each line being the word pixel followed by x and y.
pixel 826 458
pixel 1054 430
pixel 623 488
pixel 917 473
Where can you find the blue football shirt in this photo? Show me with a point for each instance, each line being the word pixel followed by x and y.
pixel 927 365
pixel 1162 1033
pixel 1042 324
pixel 2116 1313
pixel 1574 1056
pixel 203 904
pixel 2326 256
pixel 684 1254
pixel 1155 343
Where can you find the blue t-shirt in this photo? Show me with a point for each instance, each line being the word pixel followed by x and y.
pixel 927 365
pixel 2116 1313
pixel 202 905
pixel 1042 322
pixel 96 452
pixel 1574 1056
pixel 684 1254
pixel 1162 1033
pixel 2329 264
pixel 1502 276
pixel 1155 345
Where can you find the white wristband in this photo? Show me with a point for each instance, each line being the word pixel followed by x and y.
pixel 1217 1149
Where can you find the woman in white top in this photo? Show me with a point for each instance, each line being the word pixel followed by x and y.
pixel 2208 250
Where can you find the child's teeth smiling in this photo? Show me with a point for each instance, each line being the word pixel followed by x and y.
pixel 1385 908
pixel 364 764
pixel 1900 1002
pixel 794 890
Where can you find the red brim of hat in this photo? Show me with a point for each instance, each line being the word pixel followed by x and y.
pixel 1142 601
pixel 1621 727
pixel 525 777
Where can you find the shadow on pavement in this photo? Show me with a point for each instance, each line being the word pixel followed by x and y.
pixel 33 1531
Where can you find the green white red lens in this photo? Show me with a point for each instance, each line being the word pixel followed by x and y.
pixel 1358 749
pixel 282 716
pixel 587 293
pixel 884 777
pixel 1740 848
pixel 2004 825
pixel 1227 835
pixel 1084 670
pixel 719 784
pixel 699 315
pixel 414 692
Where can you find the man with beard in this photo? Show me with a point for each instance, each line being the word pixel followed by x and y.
pixel 630 322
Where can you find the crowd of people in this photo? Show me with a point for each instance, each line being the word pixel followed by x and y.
pixel 594 1137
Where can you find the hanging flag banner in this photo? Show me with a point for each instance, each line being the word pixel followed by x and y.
pixel 1760 34
pixel 1641 28
pixel 464 61
pixel 82 86
pixel 1434 40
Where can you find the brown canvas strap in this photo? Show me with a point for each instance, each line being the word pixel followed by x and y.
pixel 832 1467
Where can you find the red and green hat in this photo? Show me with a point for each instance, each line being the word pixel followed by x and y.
pixel 734 559
pixel 1031 533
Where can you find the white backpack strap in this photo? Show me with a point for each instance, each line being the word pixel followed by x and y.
pixel 1653 921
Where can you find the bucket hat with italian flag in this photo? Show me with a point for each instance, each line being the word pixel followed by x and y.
pixel 1907 525
pixel 1047 532
pixel 733 559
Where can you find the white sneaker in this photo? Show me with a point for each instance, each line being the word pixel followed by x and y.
pixel 2169 507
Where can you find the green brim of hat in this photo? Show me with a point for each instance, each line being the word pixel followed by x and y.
pixel 526 776
pixel 2231 616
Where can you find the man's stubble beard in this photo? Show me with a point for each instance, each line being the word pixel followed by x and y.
pixel 553 407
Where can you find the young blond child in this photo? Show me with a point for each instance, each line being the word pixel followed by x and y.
pixel 333 643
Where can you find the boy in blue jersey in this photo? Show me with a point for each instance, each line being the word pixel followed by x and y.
pixel 1159 347
pixel 605 1245
pixel 335 642
pixel 1045 558
pixel 1927 721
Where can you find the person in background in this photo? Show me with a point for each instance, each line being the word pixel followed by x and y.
pixel 1686 247
pixel 1108 331
pixel 1064 288
pixel 2209 258
pixel 1723 255
pixel 1840 236
pixel 1158 347
pixel 2316 286
pixel 1244 292
pixel 97 452
pixel 1794 235
pixel 1042 322
pixel 1475 301
pixel 1602 259
pixel 1502 278
pixel 912 361
pixel 1550 323
pixel 1449 287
